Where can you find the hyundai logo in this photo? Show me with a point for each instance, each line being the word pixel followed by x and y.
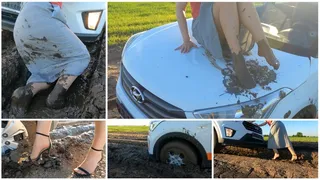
pixel 136 94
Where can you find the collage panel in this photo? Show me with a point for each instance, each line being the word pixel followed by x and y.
pixel 53 60
pixel 266 149
pixel 154 71
pixel 160 149
pixel 53 149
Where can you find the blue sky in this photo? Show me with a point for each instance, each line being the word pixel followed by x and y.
pixel 308 128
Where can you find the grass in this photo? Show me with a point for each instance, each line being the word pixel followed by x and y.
pixel 128 18
pixel 128 128
pixel 299 139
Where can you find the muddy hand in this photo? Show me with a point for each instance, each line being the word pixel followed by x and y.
pixel 264 50
pixel 20 101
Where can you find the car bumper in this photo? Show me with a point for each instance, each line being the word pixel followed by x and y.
pixel 247 140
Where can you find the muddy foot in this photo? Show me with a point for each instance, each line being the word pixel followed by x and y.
pixel 56 98
pixel 20 101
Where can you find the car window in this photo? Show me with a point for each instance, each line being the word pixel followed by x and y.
pixel 291 26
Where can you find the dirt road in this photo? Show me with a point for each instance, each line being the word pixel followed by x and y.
pixel 233 162
pixel 85 98
pixel 128 158
pixel 114 60
pixel 70 145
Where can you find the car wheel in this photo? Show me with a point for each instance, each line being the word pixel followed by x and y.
pixel 178 153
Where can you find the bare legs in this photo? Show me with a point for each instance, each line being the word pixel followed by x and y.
pixel 290 148
pixel 93 157
pixel 41 142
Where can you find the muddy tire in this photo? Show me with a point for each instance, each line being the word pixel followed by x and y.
pixel 178 153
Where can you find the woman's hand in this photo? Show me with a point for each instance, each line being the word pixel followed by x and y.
pixel 186 46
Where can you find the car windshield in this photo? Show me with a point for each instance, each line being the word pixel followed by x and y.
pixel 291 26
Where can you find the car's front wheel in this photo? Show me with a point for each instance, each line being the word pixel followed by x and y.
pixel 178 153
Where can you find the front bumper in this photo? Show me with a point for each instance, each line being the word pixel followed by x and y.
pixel 248 140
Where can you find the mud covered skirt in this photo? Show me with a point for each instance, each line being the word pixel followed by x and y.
pixel 46 44
pixel 278 137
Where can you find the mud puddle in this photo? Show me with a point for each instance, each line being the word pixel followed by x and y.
pixel 128 158
pixel 85 98
pixel 70 146
pixel 235 162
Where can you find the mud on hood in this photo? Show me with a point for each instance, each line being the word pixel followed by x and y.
pixel 191 81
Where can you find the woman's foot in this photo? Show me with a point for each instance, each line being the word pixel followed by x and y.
pixel 41 144
pixel 242 72
pixel 20 101
pixel 56 98
pixel 90 163
pixel 276 156
pixel 294 157
pixel 264 50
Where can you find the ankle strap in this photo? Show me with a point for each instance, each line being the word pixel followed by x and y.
pixel 42 134
pixel 96 149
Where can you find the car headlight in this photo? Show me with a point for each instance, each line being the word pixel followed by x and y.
pixel 91 19
pixel 153 125
pixel 129 42
pixel 258 108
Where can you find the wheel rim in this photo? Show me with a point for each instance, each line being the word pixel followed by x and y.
pixel 175 158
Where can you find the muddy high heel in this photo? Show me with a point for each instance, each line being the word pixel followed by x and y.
pixel 43 151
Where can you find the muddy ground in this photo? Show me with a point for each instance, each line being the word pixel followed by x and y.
pixel 235 162
pixel 70 145
pixel 85 98
pixel 128 158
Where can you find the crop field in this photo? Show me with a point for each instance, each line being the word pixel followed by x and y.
pixel 299 139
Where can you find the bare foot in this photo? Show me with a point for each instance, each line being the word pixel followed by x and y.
pixel 40 143
pixel 276 156
pixel 91 162
pixel 294 157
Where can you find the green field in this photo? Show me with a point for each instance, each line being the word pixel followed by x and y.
pixel 300 139
pixel 128 18
pixel 128 128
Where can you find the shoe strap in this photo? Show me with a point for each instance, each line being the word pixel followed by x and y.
pixel 85 171
pixel 96 149
pixel 42 134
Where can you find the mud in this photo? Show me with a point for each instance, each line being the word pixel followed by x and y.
pixel 70 145
pixel 84 99
pixel 128 158
pixel 236 162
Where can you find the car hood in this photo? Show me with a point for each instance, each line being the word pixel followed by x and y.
pixel 190 81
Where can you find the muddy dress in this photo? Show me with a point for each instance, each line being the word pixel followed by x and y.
pixel 46 44
pixel 278 137
pixel 205 32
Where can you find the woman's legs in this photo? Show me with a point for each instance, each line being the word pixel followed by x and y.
pixel 276 154
pixel 93 157
pixel 250 19
pixel 293 153
pixel 226 18
pixel 57 96
pixel 41 142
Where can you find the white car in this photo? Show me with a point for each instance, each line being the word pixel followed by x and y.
pixel 239 133
pixel 86 19
pixel 181 142
pixel 156 81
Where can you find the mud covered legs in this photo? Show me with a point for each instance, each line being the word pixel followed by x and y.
pixel 93 157
pixel 41 142
pixel 56 98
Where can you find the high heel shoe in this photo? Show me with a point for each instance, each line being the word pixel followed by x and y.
pixel 86 173
pixel 46 150
pixel 242 71
pixel 265 51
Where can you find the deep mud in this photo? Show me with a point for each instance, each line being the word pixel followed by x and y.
pixel 235 162
pixel 71 143
pixel 85 98
pixel 128 158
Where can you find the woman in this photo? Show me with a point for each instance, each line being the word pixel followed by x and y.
pixel 51 52
pixel 278 139
pixel 42 144
pixel 219 22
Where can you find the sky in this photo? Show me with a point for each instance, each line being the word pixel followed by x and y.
pixel 308 128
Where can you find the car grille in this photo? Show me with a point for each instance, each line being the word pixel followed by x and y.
pixel 152 106
pixel 251 127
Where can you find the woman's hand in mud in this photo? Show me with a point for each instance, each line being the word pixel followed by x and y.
pixel 186 46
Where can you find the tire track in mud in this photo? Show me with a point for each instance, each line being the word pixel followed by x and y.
pixel 128 158
pixel 70 146
pixel 236 162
